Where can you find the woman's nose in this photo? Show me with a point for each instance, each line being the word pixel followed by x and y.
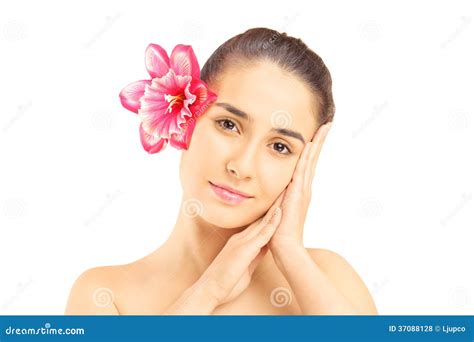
pixel 243 164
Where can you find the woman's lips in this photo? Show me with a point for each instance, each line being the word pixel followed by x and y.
pixel 228 196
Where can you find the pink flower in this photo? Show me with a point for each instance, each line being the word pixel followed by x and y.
pixel 169 104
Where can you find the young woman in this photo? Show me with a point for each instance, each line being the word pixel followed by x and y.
pixel 237 245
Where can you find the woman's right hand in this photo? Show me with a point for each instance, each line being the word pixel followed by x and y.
pixel 230 272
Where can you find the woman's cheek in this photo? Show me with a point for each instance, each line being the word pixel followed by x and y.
pixel 276 175
pixel 218 144
pixel 205 134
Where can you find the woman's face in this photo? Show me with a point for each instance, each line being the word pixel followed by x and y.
pixel 255 152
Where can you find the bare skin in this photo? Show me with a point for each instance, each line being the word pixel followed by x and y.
pixel 238 259
pixel 137 292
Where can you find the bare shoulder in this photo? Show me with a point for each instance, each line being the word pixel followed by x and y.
pixel 345 278
pixel 93 292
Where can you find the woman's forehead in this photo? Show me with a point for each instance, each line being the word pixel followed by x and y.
pixel 270 96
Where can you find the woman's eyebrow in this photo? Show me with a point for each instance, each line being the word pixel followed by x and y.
pixel 284 131
pixel 233 110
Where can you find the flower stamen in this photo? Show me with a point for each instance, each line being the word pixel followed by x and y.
pixel 173 100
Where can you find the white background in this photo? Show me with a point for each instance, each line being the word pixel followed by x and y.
pixel 393 187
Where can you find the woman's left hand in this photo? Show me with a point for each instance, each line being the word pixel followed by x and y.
pixel 294 200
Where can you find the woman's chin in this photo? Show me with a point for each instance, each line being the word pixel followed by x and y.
pixel 226 219
pixel 228 223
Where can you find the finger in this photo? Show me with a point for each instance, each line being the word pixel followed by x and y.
pixel 279 199
pixel 298 174
pixel 253 265
pixel 262 238
pixel 254 228
pixel 314 154
pixel 259 224
pixel 318 151
pixel 265 228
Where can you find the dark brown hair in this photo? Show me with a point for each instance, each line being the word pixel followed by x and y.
pixel 289 53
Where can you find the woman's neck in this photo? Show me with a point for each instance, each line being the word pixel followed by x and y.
pixel 197 241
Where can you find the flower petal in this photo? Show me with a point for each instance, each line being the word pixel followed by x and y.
pixel 204 97
pixel 156 61
pixel 164 125
pixel 182 141
pixel 169 84
pixel 189 129
pixel 154 113
pixel 157 120
pixel 185 114
pixel 150 143
pixel 131 94
pixel 184 62
pixel 177 141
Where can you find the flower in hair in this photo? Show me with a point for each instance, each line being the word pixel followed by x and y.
pixel 168 104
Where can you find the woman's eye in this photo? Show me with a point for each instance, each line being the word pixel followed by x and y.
pixel 281 147
pixel 229 125
pixel 226 124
